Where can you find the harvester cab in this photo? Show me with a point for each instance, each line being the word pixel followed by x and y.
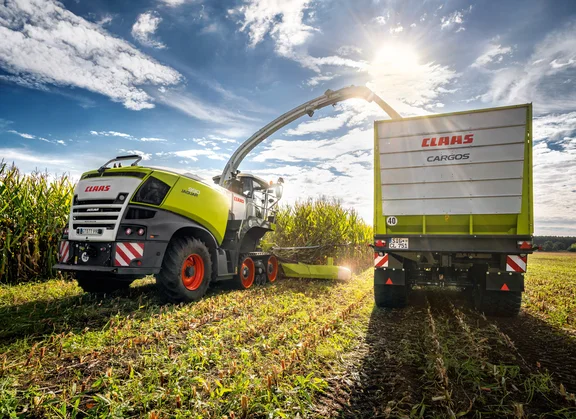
pixel 128 221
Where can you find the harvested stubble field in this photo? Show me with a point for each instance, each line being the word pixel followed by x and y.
pixel 297 348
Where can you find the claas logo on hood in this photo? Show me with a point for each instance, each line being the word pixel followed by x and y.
pixel 97 188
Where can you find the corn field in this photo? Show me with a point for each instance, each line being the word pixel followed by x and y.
pixel 33 212
pixel 328 228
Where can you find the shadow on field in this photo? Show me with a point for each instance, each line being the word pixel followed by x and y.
pixel 38 319
pixel 387 380
pixel 389 371
pixel 543 347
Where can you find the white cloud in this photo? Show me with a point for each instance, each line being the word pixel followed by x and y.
pixel 30 160
pixel 535 80
pixel 346 174
pixel 346 50
pixel 145 27
pixel 555 187
pixel 282 20
pixel 316 150
pixel 454 19
pixel 22 134
pixel 111 134
pixel 554 126
pixel 105 20
pixel 381 20
pixel 152 140
pixel 396 29
pixel 316 80
pixel 48 44
pixel 326 124
pixel 35 137
pixel 493 53
pixel 197 109
pixel 195 154
pixel 173 3
pixel 211 28
pixel 127 136
pixel 144 155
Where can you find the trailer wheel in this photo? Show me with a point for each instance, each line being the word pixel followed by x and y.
pixel 390 296
pixel 498 303
pixel 246 273
pixel 95 282
pixel 186 271
pixel 272 269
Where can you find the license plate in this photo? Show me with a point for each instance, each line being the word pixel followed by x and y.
pixel 89 231
pixel 396 243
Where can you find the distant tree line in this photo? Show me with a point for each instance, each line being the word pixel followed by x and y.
pixel 556 243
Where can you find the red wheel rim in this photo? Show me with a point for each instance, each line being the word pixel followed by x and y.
pixel 272 269
pixel 193 272
pixel 247 274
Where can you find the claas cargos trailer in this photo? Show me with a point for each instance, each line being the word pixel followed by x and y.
pixel 453 205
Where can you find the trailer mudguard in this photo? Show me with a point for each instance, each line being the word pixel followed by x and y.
pixel 389 277
pixel 504 281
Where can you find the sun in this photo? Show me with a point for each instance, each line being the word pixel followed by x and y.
pixel 398 56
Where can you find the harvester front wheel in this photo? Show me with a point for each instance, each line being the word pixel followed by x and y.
pixel 246 273
pixel 186 270
pixel 95 282
pixel 390 296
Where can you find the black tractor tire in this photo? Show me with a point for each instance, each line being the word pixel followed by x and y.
pixel 186 271
pixel 498 303
pixel 390 296
pixel 98 283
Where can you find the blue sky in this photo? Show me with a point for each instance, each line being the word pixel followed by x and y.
pixel 183 82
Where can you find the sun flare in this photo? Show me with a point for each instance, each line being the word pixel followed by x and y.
pixel 396 55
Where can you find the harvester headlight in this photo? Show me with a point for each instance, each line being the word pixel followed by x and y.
pixel 128 231
pixel 141 231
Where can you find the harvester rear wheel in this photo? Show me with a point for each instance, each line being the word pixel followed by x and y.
pixel 186 270
pixel 246 273
pixel 95 282
pixel 272 269
pixel 390 296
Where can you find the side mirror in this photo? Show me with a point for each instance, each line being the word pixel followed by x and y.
pixel 277 189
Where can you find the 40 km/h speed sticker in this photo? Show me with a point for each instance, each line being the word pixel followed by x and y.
pixel 391 221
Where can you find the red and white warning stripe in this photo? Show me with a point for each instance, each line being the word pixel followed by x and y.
pixel 127 252
pixel 516 263
pixel 64 251
pixel 380 261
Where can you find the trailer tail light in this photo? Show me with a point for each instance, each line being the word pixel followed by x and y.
pixel 524 245
pixel 380 243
